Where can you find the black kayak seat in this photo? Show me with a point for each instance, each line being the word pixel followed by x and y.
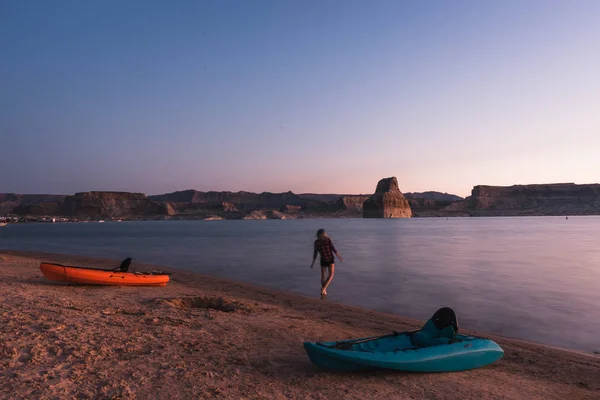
pixel 124 267
pixel 441 328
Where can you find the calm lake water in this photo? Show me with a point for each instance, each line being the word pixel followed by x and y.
pixel 534 278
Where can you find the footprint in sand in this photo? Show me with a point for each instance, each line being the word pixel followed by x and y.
pixel 22 356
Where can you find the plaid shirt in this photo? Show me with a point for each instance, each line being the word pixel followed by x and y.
pixel 324 247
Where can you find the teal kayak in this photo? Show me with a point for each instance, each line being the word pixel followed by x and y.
pixel 436 347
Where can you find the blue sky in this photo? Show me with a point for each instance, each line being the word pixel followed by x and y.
pixel 308 96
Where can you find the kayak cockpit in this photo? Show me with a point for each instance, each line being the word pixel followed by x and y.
pixel 441 328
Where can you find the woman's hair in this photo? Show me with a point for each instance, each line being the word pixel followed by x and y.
pixel 321 234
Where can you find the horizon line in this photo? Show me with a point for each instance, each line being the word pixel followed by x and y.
pixel 290 191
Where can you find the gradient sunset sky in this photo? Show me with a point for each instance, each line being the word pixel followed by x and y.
pixel 309 96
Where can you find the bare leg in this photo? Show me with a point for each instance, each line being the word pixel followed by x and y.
pixel 323 280
pixel 329 278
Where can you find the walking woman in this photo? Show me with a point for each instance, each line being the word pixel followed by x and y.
pixel 324 246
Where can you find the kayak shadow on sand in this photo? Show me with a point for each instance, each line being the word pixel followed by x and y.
pixel 303 368
pixel 38 281
pixel 41 281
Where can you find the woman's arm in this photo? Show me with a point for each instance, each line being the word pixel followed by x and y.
pixel 336 252
pixel 314 255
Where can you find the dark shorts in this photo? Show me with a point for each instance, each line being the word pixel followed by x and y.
pixel 326 263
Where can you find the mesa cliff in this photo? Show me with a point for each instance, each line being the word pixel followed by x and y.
pixel 39 202
pixel 90 205
pixel 112 204
pixel 188 204
pixel 241 200
pixel 520 200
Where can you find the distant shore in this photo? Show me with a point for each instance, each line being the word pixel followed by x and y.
pixel 562 199
pixel 60 341
pixel 65 220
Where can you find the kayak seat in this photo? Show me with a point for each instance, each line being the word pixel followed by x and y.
pixel 445 317
pixel 440 329
pixel 124 267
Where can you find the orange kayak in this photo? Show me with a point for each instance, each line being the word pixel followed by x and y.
pixel 94 276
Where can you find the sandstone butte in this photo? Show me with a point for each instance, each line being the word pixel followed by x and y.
pixel 387 201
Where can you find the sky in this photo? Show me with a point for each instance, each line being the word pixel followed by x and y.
pixel 316 96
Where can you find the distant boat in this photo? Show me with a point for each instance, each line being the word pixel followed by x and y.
pixel 101 221
pixel 3 224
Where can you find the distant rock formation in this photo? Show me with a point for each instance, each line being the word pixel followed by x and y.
pixel 352 203
pixel 112 204
pixel 255 215
pixel 291 209
pixel 387 201
pixel 214 218
pixel 458 209
pixel 432 204
pixel 11 203
pixel 228 207
pixel 234 205
pixel 264 214
pixel 169 209
pixel 243 201
pixel 435 196
pixel 44 208
pixel 550 199
pixel 320 197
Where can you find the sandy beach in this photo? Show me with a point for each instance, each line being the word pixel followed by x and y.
pixel 204 337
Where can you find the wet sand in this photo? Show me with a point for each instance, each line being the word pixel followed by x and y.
pixel 60 341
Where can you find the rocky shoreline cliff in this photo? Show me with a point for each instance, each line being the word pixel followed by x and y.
pixel 517 200
pixel 522 200
pixel 189 204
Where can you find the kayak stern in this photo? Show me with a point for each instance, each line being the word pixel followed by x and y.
pixel 325 361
